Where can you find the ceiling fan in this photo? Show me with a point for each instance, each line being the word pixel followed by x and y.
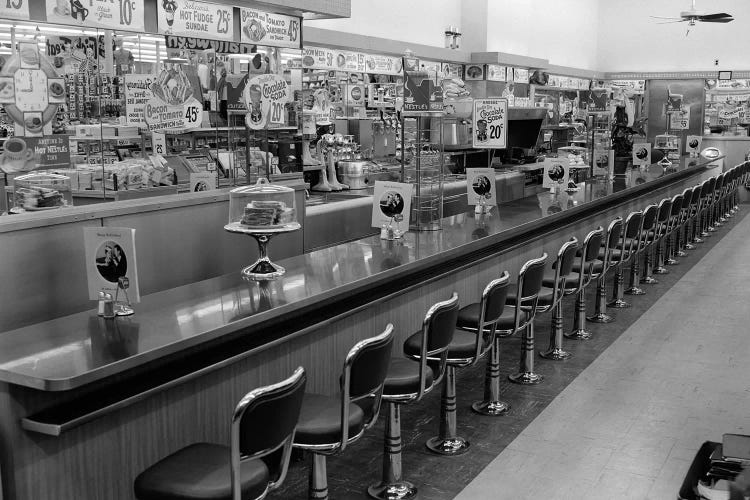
pixel 693 16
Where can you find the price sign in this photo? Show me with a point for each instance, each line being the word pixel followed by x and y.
pixel 159 142
pixel 190 18
pixel 14 9
pixel 113 14
pixel 490 123
pixel 265 97
pixel 160 116
pixel 265 28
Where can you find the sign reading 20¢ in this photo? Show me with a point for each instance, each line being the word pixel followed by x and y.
pixel 490 123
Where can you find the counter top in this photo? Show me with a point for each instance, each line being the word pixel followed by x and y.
pixel 79 349
pixel 727 137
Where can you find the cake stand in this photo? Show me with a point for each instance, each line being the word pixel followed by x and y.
pixel 263 269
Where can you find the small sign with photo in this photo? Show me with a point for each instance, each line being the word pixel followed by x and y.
pixel 642 153
pixel 110 258
pixel 556 173
pixel 202 181
pixel 480 186
pixel 693 144
pixel 391 205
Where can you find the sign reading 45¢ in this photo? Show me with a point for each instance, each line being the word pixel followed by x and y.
pixel 14 9
pixel 490 123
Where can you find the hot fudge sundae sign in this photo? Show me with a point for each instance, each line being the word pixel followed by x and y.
pixel 265 97
pixel 116 14
pixel 183 17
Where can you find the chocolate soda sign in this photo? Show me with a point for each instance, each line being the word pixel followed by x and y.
pixel 265 97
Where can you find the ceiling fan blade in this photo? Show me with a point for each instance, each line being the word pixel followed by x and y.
pixel 722 20
pixel 714 16
pixel 670 22
pixel 661 17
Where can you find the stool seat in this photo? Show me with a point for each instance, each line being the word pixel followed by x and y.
pixel 403 378
pixel 546 295
pixel 549 279
pixel 598 266
pixel 468 316
pixel 462 346
pixel 200 471
pixel 320 420
pixel 614 253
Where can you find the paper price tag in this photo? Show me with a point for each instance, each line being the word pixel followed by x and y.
pixel 15 9
pixel 159 141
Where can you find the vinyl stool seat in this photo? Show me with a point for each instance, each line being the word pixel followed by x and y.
pixel 320 420
pixel 596 266
pixel 571 280
pixel 403 377
pixel 546 297
pixel 200 471
pixel 463 345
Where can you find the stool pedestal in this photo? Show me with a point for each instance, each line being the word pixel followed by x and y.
pixel 491 405
pixel 318 478
pixel 648 267
pixel 555 351
pixel 618 300
pixel 392 486
pixel 579 321
pixel 660 269
pixel 446 442
pixel 526 373
pixel 600 313
pixel 635 277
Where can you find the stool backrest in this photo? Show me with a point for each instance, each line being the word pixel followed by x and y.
pixel 649 216
pixel 631 235
pixel 365 369
pixel 705 188
pixel 566 257
pixel 438 327
pixel 263 422
pixel 614 234
pixel 491 307
pixel 530 279
pixel 687 198
pixel 695 197
pixel 589 253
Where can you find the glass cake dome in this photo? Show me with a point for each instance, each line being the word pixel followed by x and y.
pixel 42 191
pixel 263 206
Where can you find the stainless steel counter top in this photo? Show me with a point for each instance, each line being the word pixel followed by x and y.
pixel 75 350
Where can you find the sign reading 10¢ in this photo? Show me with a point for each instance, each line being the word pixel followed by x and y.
pixel 490 123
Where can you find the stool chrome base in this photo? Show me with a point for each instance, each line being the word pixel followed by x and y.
pixel 491 408
pixel 526 378
pixel 555 354
pixel 634 290
pixel 689 246
pixel 600 318
pixel 447 446
pixel 698 240
pixel 393 491
pixel 649 280
pixel 579 334
pixel 671 262
pixel 618 304
pixel 682 253
pixel 660 270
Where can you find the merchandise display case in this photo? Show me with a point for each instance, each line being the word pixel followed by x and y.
pixel 600 131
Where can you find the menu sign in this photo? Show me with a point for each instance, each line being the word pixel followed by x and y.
pixel 490 123
pixel 265 97
pixel 186 17
pixel 496 73
pixel 383 65
pixel 15 9
pixel 264 28
pixel 113 14
pixel 50 151
pixel 137 94
pixel 173 106
pixel 110 259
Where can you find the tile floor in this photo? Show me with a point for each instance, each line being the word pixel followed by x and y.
pixel 629 425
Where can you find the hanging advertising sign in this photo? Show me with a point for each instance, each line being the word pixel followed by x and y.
pixel 114 14
pixel 496 73
pixel 451 70
pixel 520 75
pixel 265 97
pixel 15 9
pixel 490 123
pixel 265 28
pixel 189 18
pixel 137 94
pixel 173 107
pixel 421 94
pixel 218 46
pixel 383 65
pixel 680 120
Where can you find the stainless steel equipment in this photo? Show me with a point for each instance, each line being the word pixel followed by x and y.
pixel 354 173
pixel 456 133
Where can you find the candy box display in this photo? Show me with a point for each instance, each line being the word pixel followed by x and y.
pixel 263 206
pixel 42 191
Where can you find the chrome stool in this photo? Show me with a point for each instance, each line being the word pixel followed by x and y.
pixel 718 195
pixel 328 424
pixel 483 317
pixel 612 239
pixel 708 207
pixel 691 225
pixel 681 238
pixel 406 383
pixel 670 246
pixel 642 250
pixel 624 253
pixel 586 273
pixel 262 424
pixel 660 233
pixel 558 282
pixel 523 302
pixel 701 215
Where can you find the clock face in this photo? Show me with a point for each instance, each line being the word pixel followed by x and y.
pixel 30 88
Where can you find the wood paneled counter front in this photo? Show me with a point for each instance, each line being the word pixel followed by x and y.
pixel 87 403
